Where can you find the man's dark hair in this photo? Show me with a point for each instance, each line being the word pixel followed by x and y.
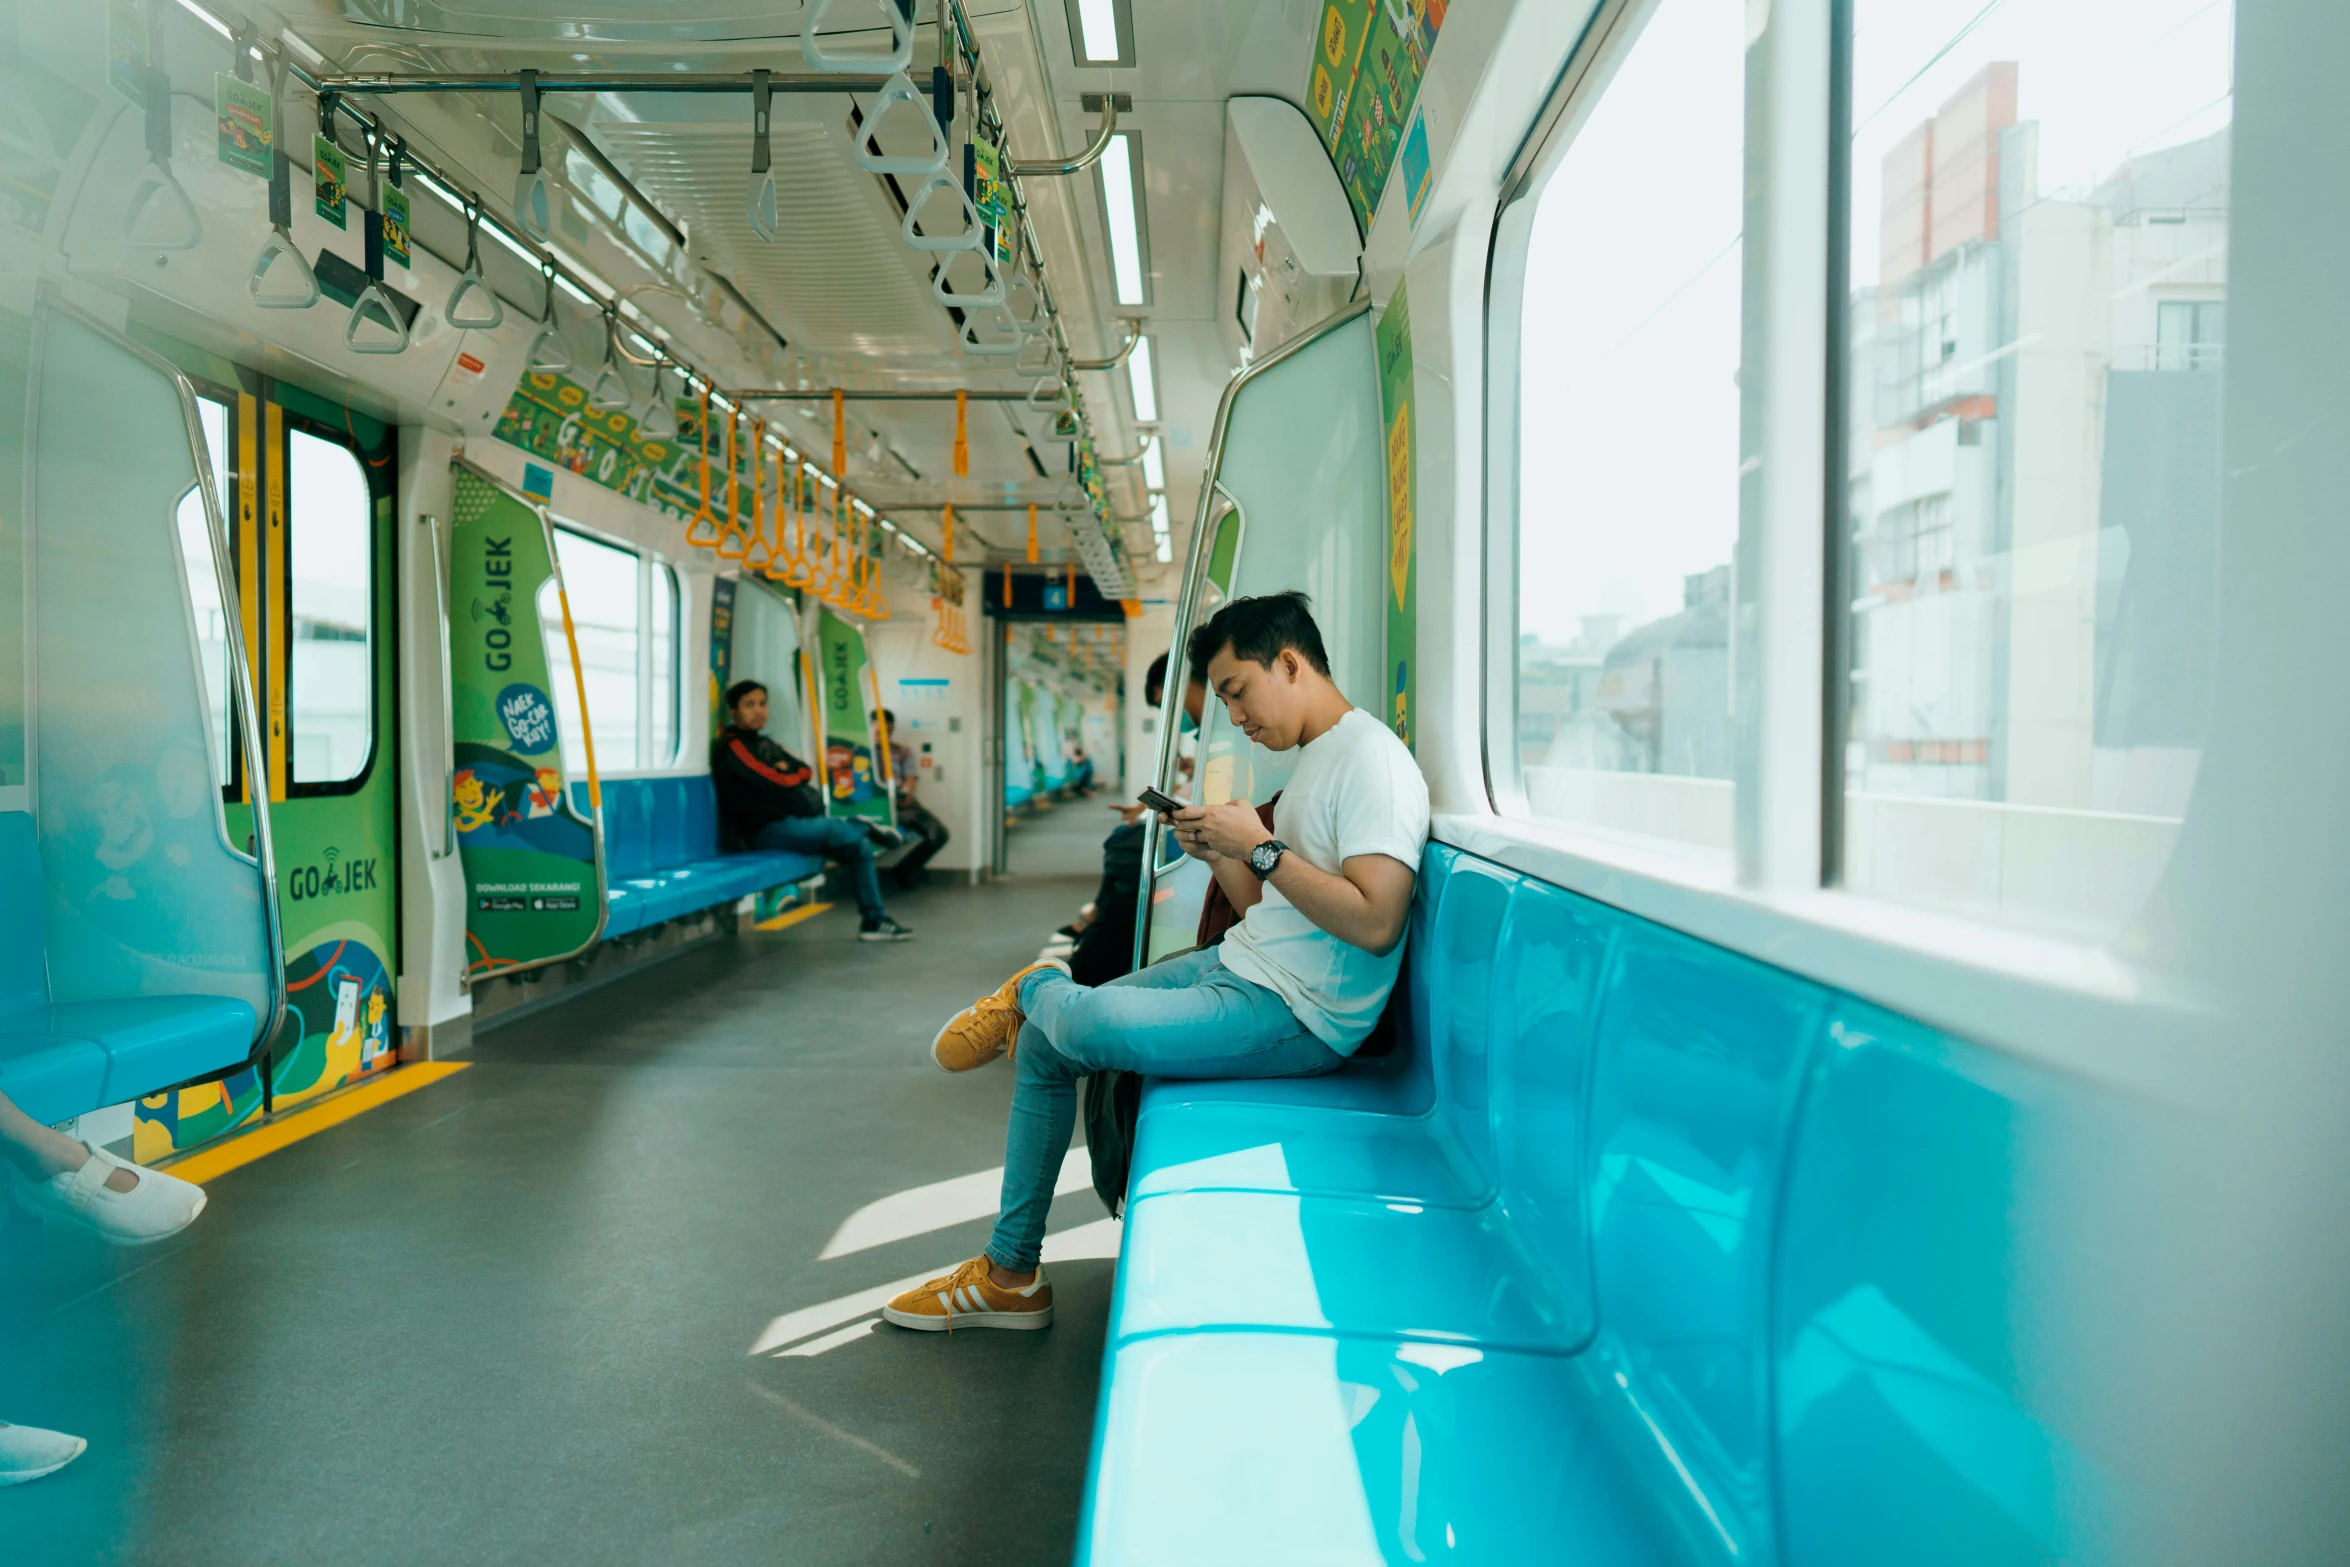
pixel 889 718
pixel 1154 683
pixel 1259 630
pixel 740 689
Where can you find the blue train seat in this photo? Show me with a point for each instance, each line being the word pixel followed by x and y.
pixel 1635 1251
pixel 62 1059
pixel 662 858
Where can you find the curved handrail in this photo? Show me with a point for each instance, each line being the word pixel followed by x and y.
pixel 898 89
pixel 860 62
pixel 280 243
pixel 1133 336
pixel 160 184
pixel 388 313
pixel 973 227
pixel 1050 168
pixel 1187 601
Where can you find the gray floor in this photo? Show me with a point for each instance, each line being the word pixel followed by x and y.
pixel 506 1319
pixel 1061 840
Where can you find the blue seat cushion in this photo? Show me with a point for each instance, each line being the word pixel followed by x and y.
pixel 1302 1447
pixel 152 1042
pixel 1230 1145
pixel 51 1076
pixel 1353 1266
pixel 624 908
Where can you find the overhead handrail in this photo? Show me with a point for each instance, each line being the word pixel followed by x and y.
pixel 759 207
pixel 469 282
pixel 873 160
pixel 160 216
pixel 550 354
pixel 280 244
pixel 988 296
pixel 819 58
pixel 973 228
pixel 534 198
pixel 701 530
pixel 1052 168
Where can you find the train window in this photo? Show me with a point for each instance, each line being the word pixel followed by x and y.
pixel 1628 448
pixel 2031 407
pixel 330 675
pixel 211 615
pixel 624 613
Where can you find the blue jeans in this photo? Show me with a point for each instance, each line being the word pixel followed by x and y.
pixel 840 839
pixel 1187 1017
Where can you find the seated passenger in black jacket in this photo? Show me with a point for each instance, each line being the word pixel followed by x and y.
pixel 770 799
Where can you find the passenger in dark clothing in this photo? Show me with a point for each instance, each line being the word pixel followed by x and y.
pixel 769 799
pixel 915 819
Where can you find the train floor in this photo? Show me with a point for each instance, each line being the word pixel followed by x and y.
pixel 605 1296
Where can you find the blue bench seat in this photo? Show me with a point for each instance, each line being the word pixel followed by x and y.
pixel 661 853
pixel 64 1059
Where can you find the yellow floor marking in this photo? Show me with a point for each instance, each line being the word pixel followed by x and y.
pixel 791 917
pixel 206 1163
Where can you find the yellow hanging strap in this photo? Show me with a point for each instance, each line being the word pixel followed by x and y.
pixel 1032 533
pixel 800 572
pixel 731 543
pixel 949 525
pixel 962 435
pixel 757 552
pixel 779 551
pixel 1007 584
pixel 840 434
pixel 1069 584
pixel 703 530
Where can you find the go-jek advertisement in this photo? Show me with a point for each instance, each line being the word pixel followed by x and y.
pixel 534 884
pixel 853 780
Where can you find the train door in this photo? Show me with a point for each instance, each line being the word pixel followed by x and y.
pixel 307 491
pixel 1295 497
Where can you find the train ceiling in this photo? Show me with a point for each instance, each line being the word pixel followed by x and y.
pixel 850 302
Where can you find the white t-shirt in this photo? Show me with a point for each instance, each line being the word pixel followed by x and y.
pixel 1356 790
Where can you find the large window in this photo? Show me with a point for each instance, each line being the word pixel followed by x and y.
pixel 2038 253
pixel 624 613
pixel 1628 447
pixel 330 670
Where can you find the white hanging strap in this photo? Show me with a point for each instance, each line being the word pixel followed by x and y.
pixel 280 245
pixel 973 231
pixel 457 312
pixel 376 299
pixel 858 61
pixel 160 216
pixel 989 295
pixel 534 199
pixel 900 90
pixel 549 353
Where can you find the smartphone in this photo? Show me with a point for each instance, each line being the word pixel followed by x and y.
pixel 1166 804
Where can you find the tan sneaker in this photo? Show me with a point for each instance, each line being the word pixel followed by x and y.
pixel 967 1298
pixel 987 1027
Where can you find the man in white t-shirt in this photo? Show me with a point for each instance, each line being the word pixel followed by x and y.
pixel 1291 992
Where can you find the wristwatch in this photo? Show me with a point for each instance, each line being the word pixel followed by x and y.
pixel 1265 856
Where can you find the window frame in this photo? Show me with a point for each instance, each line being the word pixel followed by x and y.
pixel 232 790
pixel 379 489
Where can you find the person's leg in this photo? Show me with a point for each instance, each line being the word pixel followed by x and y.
pixel 1186 1017
pixel 838 839
pixel 40 1152
pixel 930 835
pixel 83 1184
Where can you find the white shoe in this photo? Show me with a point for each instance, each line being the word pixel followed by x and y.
pixel 28 1452
pixel 159 1206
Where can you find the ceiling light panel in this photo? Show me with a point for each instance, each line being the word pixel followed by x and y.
pixel 1154 467
pixel 1125 218
pixel 1101 32
pixel 1142 376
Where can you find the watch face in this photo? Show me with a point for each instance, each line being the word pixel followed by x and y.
pixel 1264 857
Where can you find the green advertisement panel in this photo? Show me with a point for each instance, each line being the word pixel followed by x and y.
pixel 853 776
pixel 1394 349
pixel 1361 88
pixel 533 865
